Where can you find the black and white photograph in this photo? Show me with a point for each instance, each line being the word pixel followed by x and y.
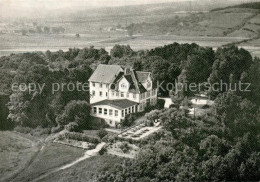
pixel 129 90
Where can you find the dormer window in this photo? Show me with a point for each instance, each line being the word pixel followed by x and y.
pixel 93 83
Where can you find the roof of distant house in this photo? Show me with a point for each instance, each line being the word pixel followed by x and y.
pixel 119 104
pixel 105 73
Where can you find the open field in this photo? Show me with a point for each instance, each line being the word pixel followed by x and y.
pixel 51 156
pixel 58 42
pixel 16 151
pixel 85 170
pixel 24 157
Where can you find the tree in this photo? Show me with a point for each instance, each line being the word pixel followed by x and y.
pixel 153 115
pixel 230 62
pixel 75 111
pixel 120 51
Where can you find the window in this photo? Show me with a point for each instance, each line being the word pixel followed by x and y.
pixel 100 85
pixel 100 110
pixel 110 122
pixel 113 93
pixel 134 96
pixel 129 111
pixel 105 111
pixel 148 94
pixel 126 112
pixel 123 113
pixel 106 94
pixel 93 92
pixel 100 94
pixel 148 84
pixel 133 108
pixel 122 94
pixel 127 95
pixel 117 94
pixel 116 112
pixel 94 110
pixel 110 112
pixel 123 85
pixel 93 84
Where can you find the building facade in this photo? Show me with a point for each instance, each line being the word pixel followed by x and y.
pixel 116 92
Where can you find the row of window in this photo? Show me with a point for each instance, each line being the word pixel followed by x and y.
pixel 122 94
pixel 128 111
pixel 100 85
pixel 111 112
pixel 147 94
pixel 100 93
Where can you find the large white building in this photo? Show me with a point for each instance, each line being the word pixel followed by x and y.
pixel 116 92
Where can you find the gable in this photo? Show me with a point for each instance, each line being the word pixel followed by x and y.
pixel 123 85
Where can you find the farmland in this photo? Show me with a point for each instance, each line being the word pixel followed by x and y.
pixel 206 28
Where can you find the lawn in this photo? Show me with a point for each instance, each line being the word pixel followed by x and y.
pixel 16 151
pixel 86 170
pixel 51 156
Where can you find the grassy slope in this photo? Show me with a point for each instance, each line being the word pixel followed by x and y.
pixel 85 170
pixel 52 156
pixel 228 21
pixel 15 152
pixel 217 23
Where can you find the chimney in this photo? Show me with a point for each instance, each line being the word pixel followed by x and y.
pixel 127 70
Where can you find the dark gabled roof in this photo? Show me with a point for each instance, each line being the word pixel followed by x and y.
pixel 135 86
pixel 119 104
pixel 114 85
pixel 138 85
pixel 142 76
pixel 130 80
pixel 105 73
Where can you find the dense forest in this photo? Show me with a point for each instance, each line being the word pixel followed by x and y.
pixel 184 63
pixel 222 145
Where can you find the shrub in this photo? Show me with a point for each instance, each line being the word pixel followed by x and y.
pixel 160 104
pixel 206 106
pixel 102 151
pixel 102 133
pixel 81 137
pixel 109 138
pixel 72 127
pixel 21 129
pixel 57 129
pixel 149 123
pixel 129 120
pixel 124 146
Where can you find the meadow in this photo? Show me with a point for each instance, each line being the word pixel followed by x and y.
pixel 15 43
pixel 24 157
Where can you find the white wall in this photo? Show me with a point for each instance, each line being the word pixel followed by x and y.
pixel 123 85
pixel 96 98
pixel 110 118
pixel 146 85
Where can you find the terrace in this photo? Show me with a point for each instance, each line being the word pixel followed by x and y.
pixel 139 131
